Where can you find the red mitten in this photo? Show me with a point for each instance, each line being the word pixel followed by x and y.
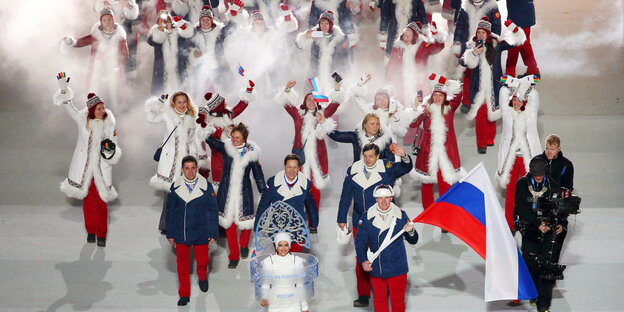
pixel 508 22
pixel 432 77
pixel 235 6
pixel 285 11
pixel 434 30
pixel 251 86
pixel 201 119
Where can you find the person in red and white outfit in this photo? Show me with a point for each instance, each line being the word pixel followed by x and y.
pixel 109 55
pixel 483 57
pixel 438 156
pixel 309 143
pixel 407 68
pixel 520 140
pixel 90 176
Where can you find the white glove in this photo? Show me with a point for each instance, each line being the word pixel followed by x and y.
pixel 343 236
pixel 69 40
pixel 63 81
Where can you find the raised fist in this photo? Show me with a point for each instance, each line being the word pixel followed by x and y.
pixel 63 80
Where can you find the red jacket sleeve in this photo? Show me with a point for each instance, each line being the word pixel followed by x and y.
pixel 84 41
pixel 239 108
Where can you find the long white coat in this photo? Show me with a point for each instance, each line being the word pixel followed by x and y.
pixel 183 141
pixel 519 136
pixel 87 163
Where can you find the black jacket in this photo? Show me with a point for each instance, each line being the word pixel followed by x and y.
pixel 560 169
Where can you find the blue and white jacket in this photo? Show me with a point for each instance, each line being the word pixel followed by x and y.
pixel 298 196
pixel 192 216
pixel 371 233
pixel 358 189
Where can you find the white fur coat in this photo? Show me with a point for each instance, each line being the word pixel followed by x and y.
pixel 519 136
pixel 182 142
pixel 87 163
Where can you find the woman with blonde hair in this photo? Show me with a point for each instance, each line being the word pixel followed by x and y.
pixel 177 113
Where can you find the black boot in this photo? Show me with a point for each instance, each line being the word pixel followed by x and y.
pixel 361 302
pixel 244 252
pixel 101 241
pixel 91 238
pixel 183 301
pixel 481 150
pixel 203 285
pixel 233 264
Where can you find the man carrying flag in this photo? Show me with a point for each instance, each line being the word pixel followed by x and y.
pixel 358 187
pixel 471 211
pixel 381 251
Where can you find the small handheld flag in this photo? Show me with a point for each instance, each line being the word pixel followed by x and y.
pixel 241 71
pixel 316 94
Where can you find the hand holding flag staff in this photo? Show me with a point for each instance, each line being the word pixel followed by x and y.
pixel 241 72
pixel 316 93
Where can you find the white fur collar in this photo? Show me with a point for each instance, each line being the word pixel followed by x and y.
pixel 252 152
pixel 183 192
pixel 393 214
pixel 284 190
pixel 118 33
pixel 381 142
pixel 357 170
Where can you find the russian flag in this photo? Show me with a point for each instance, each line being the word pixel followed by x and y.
pixel 471 211
pixel 316 94
pixel 241 70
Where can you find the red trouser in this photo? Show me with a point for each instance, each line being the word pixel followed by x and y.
pixel 95 212
pixel 426 191
pixel 485 130
pixel 528 58
pixel 395 287
pixel 466 88
pixel 232 239
pixel 184 271
pixel 517 171
pixel 316 194
pixel 361 276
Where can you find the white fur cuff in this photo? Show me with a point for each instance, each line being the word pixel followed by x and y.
pixel 63 98
pixel 325 128
pixel 246 96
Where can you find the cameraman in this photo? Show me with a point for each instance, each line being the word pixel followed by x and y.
pixel 541 239
pixel 559 168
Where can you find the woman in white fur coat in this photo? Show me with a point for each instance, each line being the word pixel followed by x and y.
pixel 177 114
pixel 262 48
pixel 109 55
pixel 90 176
pixel 328 50
pixel 520 141
pixel 204 50
pixel 169 62
pixel 391 113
